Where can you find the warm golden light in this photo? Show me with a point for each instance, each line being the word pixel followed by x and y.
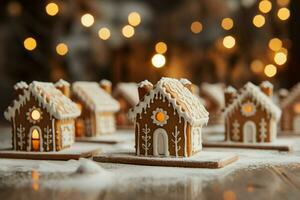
pixel 30 43
pixel 128 31
pixel 257 66
pixel 227 23
pixel 62 49
pixel 160 116
pixel 280 58
pixel 248 108
pixel 270 70
pixel 87 20
pixel 229 42
pixel 35 134
pixel 52 9
pixel 196 27
pixel 35 115
pixel 283 13
pixel 297 108
pixel 265 6
pixel 258 21
pixel 134 19
pixel 104 33
pixel 158 60
pixel 283 2
pixel 275 44
pixel 161 47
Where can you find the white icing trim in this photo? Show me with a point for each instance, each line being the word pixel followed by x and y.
pixel 62 83
pixel 155 121
pixel 129 91
pixel 230 89
pixel 250 90
pixel 53 135
pixel 246 126
pixel 266 84
pixel 185 81
pixel 21 85
pixel 105 82
pixel 144 83
pixel 155 142
pixel 248 114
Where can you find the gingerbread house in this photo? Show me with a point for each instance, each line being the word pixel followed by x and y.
pixel 42 118
pixel 250 114
pixel 168 119
pixel 213 95
pixel 97 106
pixel 290 105
pixel 127 96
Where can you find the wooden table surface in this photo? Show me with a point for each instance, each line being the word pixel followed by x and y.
pixel 258 174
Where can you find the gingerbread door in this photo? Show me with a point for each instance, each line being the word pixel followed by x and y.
pixel 35 138
pixel 296 123
pixel 249 132
pixel 160 143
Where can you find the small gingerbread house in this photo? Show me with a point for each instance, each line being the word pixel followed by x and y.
pixel 127 96
pixel 213 95
pixel 42 118
pixel 250 114
pixel 168 119
pixel 97 106
pixel 290 105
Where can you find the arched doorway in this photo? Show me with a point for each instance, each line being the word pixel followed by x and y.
pixel 160 143
pixel 249 132
pixel 35 135
pixel 296 124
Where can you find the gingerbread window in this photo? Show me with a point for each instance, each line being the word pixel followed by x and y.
pixel 248 109
pixel 34 115
pixel 159 117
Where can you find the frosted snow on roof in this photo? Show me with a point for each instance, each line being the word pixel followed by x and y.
pixel 48 97
pixel 20 85
pixel 294 94
pixel 184 102
pixel 62 83
pixel 128 91
pixel 251 90
pixel 95 97
pixel 215 91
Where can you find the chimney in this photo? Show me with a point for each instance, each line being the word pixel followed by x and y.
pixel 143 88
pixel 20 87
pixel 186 83
pixel 267 88
pixel 230 94
pixel 63 86
pixel 106 85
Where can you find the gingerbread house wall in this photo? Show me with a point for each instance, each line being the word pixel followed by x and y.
pixel 235 132
pixel 122 114
pixel 22 128
pixel 65 133
pixel 288 118
pixel 146 122
pixel 105 123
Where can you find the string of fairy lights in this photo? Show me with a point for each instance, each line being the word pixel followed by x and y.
pixel 276 45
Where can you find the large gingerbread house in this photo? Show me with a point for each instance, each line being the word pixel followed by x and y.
pixel 42 118
pixel 213 95
pixel 168 119
pixel 290 105
pixel 250 114
pixel 97 106
pixel 127 96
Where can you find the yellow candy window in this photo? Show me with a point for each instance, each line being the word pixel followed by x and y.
pixel 35 115
pixel 160 116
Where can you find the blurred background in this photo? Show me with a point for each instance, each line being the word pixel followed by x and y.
pixel 228 41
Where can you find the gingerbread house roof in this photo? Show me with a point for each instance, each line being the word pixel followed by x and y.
pixel 215 92
pixel 183 101
pixel 129 91
pixel 293 95
pixel 251 90
pixel 94 97
pixel 57 105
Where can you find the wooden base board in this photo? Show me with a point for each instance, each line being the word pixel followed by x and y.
pixel 280 146
pixel 288 133
pixel 75 152
pixel 114 138
pixel 204 159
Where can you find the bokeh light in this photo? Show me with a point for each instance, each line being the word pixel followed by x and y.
pixel 280 58
pixel 257 66
pixel 161 47
pixel 196 27
pixel 229 42
pixel 30 43
pixel 52 9
pixel 158 60
pixel 227 23
pixel 87 20
pixel 275 44
pixel 128 31
pixel 258 21
pixel 134 18
pixel 270 70
pixel 104 33
pixel 14 8
pixel 283 13
pixel 62 49
pixel 265 6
